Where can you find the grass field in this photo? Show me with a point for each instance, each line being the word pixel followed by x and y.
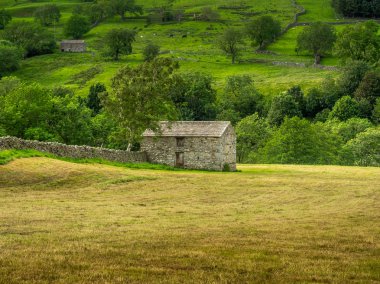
pixel 88 223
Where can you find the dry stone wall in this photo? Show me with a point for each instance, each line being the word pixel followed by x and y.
pixel 73 151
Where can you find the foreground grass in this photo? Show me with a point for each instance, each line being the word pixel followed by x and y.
pixel 68 223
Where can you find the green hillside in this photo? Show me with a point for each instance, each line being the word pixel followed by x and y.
pixel 197 51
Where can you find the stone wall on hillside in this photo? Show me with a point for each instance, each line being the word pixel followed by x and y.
pixel 73 151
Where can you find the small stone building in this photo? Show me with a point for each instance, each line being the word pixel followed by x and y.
pixel 207 145
pixel 73 46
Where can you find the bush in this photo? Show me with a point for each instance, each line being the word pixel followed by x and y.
pixel 345 108
pixel 283 105
pixel 252 132
pixel 349 129
pixel 47 14
pixel 5 18
pixel 31 37
pixel 239 99
pixel 77 26
pixel 151 51
pixel 364 150
pixel 10 57
pixel 297 141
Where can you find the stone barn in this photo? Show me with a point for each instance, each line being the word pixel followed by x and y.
pixel 73 46
pixel 206 145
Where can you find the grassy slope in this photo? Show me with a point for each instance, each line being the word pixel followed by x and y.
pixel 197 52
pixel 68 223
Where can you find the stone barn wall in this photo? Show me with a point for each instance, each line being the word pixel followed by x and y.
pixel 204 153
pixel 229 148
pixel 72 151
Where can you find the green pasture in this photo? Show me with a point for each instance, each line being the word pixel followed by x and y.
pixel 192 43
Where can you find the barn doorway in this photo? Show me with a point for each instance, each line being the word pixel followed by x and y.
pixel 179 159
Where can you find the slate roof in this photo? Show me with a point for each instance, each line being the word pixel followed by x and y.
pixel 189 129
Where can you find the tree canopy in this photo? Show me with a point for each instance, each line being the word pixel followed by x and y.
pixel 230 42
pixel 119 41
pixel 263 30
pixel 318 38
pixel 139 98
pixel 359 42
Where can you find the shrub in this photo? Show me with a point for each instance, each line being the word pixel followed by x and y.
pixel 345 108
pixel 364 150
pixel 77 26
pixel 151 51
pixel 31 37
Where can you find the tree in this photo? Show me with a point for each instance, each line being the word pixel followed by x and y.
pixel 359 42
pixel 283 105
pixel 32 111
pixel 47 14
pixel 239 99
pixel 353 73
pixel 8 84
pixel 263 30
pixel 98 11
pixel 139 98
pixel 350 128
pixel 5 18
pixel 318 38
pixel 369 87
pixel 10 57
pixel 230 42
pixel 93 100
pixel 120 7
pixel 151 51
pixel 77 26
pixel 297 141
pixel 345 108
pixel 252 132
pixel 376 112
pixel 364 149
pixel 119 41
pixel 194 96
pixel 357 8
pixel 31 37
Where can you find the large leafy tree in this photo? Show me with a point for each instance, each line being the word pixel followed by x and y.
pixel 239 99
pixel 364 149
pixel 5 18
pixel 119 41
pixel 318 38
pixel 77 26
pixel 194 96
pixel 358 8
pixel 263 30
pixel 34 112
pixel 47 14
pixel 120 7
pixel 297 141
pixel 98 11
pixel 369 87
pixel 252 132
pixel 345 108
pixel 283 105
pixel 359 42
pixel 31 37
pixel 10 56
pixel 230 42
pixel 140 98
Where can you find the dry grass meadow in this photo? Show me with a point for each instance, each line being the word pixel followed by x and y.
pixel 63 222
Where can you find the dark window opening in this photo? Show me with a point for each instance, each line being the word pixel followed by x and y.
pixel 180 141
